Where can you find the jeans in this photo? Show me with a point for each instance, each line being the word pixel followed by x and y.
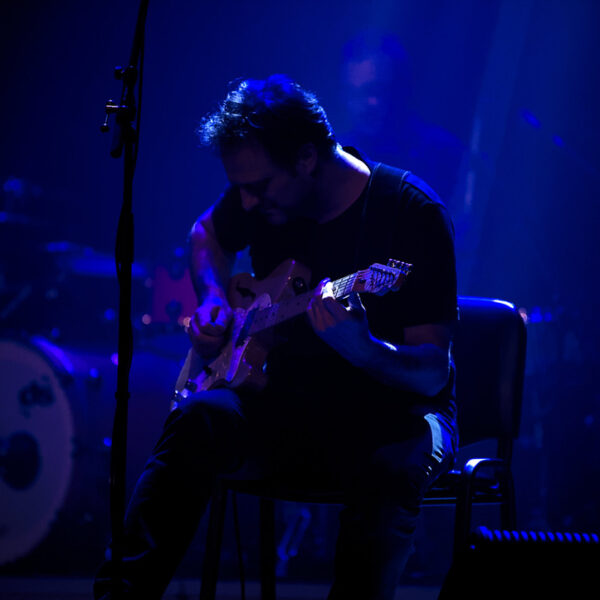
pixel 383 459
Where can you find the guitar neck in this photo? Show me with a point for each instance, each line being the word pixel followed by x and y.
pixel 279 312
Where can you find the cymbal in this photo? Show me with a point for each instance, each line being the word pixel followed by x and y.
pixel 85 260
pixel 14 218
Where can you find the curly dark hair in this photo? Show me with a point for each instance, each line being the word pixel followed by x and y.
pixel 276 112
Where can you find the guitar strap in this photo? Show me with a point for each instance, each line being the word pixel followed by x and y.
pixel 380 215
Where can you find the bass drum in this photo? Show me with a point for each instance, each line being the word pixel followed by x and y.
pixel 56 419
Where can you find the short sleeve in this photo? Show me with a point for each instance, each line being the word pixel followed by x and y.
pixel 429 294
pixel 232 223
pixel 414 228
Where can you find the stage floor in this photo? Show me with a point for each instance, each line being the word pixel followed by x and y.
pixel 15 588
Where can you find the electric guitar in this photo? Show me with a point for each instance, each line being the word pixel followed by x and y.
pixel 258 307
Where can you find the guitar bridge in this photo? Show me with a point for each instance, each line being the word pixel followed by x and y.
pixel 189 388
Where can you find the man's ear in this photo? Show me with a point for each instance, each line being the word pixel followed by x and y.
pixel 307 159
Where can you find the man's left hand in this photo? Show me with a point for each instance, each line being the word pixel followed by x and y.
pixel 345 329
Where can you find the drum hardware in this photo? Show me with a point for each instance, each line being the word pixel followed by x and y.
pixel 71 297
pixel 11 307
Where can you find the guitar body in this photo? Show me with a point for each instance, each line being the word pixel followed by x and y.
pixel 240 364
pixel 289 279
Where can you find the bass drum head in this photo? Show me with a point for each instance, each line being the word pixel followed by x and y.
pixel 56 420
pixel 36 447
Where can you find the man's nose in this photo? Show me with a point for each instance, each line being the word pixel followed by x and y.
pixel 249 200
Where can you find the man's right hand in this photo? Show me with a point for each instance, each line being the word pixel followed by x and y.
pixel 209 326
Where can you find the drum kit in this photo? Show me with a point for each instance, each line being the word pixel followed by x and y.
pixel 58 340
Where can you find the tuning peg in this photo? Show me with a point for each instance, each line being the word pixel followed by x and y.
pixel 400 265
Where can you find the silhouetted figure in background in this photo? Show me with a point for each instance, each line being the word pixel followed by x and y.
pixel 379 115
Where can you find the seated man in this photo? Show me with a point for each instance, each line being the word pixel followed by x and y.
pixel 358 394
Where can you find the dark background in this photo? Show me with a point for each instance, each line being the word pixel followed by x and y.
pixel 494 103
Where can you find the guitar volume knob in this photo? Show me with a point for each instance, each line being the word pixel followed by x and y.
pixel 299 285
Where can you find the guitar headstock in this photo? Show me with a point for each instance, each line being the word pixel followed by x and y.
pixel 380 279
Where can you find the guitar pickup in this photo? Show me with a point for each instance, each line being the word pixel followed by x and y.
pixel 192 386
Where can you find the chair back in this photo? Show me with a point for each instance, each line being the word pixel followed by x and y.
pixel 489 353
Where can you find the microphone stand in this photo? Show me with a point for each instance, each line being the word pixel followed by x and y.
pixel 125 143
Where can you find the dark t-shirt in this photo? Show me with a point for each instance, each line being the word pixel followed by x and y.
pixel 403 219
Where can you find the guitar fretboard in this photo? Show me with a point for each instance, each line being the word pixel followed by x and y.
pixel 279 312
pixel 342 287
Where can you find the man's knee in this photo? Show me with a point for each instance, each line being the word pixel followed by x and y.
pixel 221 404
pixel 213 416
pixel 205 430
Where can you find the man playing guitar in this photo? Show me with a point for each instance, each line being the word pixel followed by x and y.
pixel 355 391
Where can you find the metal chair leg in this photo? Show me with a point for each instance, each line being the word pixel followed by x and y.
pixel 214 537
pixel 508 508
pixel 267 548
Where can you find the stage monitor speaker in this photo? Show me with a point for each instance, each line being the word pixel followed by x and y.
pixel 502 564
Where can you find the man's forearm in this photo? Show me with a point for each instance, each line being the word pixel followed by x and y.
pixel 210 265
pixel 423 369
pixel 422 366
